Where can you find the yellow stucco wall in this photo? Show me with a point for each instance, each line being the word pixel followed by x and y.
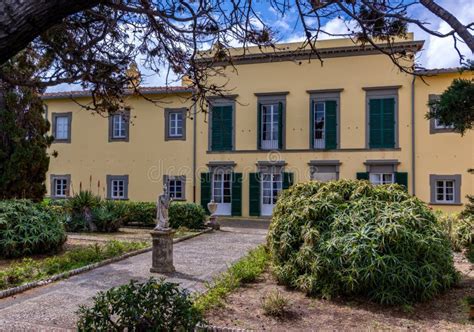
pixel 147 156
pixel 350 74
pixel 441 153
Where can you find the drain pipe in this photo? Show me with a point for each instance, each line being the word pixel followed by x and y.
pixel 413 144
pixel 194 151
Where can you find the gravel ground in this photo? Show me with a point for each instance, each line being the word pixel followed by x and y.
pixel 243 309
pixel 197 260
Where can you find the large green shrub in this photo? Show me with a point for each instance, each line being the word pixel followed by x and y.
pixel 140 213
pixel 26 229
pixel 352 238
pixel 150 306
pixel 189 215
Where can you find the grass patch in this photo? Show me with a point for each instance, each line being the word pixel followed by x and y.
pixel 29 270
pixel 244 271
pixel 275 304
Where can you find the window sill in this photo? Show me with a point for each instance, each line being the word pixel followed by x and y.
pixel 181 138
pixel 61 141
pixel 178 199
pixel 117 199
pixel 449 204
pixel 112 140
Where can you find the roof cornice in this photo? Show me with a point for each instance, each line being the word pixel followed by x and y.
pixel 330 52
pixel 128 92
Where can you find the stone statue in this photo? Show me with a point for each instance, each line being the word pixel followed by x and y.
pixel 162 207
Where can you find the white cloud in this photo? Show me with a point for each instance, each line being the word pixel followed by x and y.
pixel 440 52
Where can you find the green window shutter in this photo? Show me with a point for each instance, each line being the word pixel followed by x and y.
pixel 287 180
pixel 280 125
pixel 311 125
pixel 388 123
pixel 382 123
pixel 375 123
pixel 205 190
pixel 331 124
pixel 402 179
pixel 216 133
pixel 236 194
pixel 362 176
pixel 254 194
pixel 259 126
pixel 222 128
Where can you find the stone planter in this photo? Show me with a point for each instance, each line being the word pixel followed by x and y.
pixel 213 223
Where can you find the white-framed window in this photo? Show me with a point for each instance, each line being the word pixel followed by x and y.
pixel 272 185
pixel 445 191
pixel 119 126
pixel 439 125
pixel 60 187
pixel 222 187
pixel 382 178
pixel 175 125
pixel 319 116
pixel 175 188
pixel 270 126
pixel 61 130
pixel 118 189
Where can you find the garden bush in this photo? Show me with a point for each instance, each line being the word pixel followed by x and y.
pixel 109 216
pixel 149 306
pixel 140 213
pixel 459 229
pixel 189 215
pixel 349 237
pixel 80 207
pixel 27 228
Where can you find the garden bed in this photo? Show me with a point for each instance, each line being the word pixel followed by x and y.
pixel 243 309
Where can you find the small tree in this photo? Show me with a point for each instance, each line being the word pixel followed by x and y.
pixel 455 106
pixel 23 139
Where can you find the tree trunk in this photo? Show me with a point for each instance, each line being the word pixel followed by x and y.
pixel 453 22
pixel 21 21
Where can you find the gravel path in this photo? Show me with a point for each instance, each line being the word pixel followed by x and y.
pixel 52 307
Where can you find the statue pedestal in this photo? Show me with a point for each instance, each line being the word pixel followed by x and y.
pixel 162 255
pixel 213 223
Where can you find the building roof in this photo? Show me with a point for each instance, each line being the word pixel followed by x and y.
pixel 145 90
pixel 437 71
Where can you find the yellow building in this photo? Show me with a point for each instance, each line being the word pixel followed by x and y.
pixel 284 120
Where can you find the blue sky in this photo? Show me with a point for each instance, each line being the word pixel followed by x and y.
pixel 436 53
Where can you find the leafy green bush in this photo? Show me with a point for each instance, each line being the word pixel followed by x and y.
pixel 80 208
pixel 27 229
pixel 460 230
pixel 29 270
pixel 190 215
pixel 349 237
pixel 140 213
pixel 109 216
pixel 149 306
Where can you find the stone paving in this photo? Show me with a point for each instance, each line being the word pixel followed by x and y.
pixel 53 307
